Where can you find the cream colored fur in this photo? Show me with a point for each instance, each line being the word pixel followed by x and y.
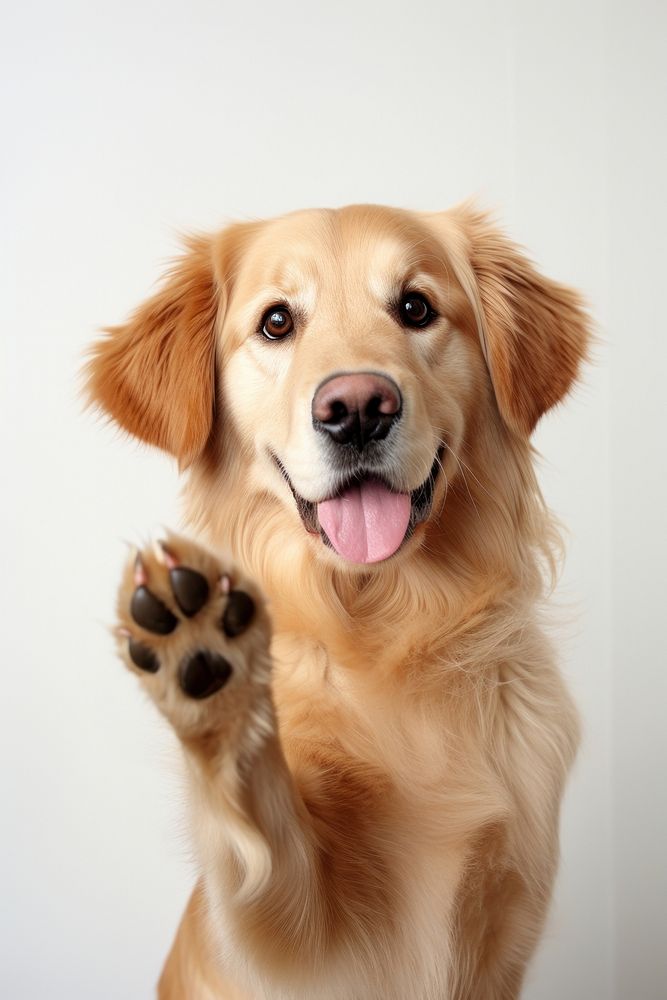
pixel 375 806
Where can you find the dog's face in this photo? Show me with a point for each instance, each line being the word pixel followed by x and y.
pixel 346 357
pixel 348 375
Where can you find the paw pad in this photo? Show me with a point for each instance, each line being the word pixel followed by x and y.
pixel 204 673
pixel 143 657
pixel 190 589
pixel 149 612
pixel 239 612
pixel 201 672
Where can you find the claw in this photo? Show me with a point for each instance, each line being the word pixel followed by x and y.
pixel 164 556
pixel 225 583
pixel 140 574
pixel 123 632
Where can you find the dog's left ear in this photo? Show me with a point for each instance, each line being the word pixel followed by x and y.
pixel 534 332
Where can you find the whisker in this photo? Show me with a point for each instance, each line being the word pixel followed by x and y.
pixel 465 480
pixel 471 473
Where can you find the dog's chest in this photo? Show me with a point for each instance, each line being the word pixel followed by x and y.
pixel 369 717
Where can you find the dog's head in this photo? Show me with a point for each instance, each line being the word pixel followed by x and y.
pixel 344 362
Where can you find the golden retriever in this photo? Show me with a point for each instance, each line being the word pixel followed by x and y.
pixel 376 748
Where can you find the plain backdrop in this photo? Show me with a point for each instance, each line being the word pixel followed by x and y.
pixel 125 123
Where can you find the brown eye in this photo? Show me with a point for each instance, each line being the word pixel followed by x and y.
pixel 277 323
pixel 415 310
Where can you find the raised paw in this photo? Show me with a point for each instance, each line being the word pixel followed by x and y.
pixel 190 627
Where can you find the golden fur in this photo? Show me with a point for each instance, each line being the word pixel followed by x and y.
pixel 375 808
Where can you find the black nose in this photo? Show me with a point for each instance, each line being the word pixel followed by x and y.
pixel 357 407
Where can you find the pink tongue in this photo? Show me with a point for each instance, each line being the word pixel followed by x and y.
pixel 367 522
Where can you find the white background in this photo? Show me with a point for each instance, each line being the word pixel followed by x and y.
pixel 123 123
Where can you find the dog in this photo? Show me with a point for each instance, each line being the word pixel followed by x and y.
pixel 375 729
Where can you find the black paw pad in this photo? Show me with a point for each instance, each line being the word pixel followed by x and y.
pixel 149 612
pixel 143 657
pixel 239 612
pixel 190 589
pixel 203 674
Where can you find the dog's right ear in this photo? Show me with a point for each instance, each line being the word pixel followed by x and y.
pixel 155 375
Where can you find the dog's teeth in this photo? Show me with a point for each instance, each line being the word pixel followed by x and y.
pixel 225 584
pixel 140 574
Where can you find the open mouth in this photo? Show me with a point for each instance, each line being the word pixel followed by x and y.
pixel 366 520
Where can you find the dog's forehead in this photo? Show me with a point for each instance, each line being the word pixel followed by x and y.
pixel 360 245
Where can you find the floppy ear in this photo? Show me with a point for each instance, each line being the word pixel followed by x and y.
pixel 534 332
pixel 155 374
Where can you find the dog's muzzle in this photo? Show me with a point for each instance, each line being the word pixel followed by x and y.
pixel 367 520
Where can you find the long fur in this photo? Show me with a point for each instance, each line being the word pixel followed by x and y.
pixel 381 819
